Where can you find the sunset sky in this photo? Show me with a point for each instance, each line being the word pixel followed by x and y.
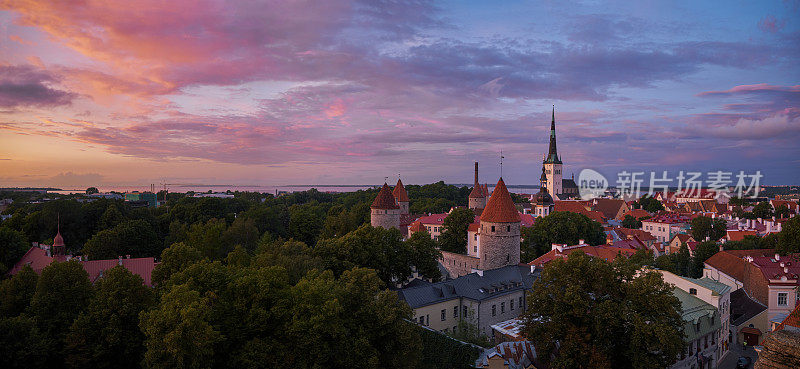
pixel 341 92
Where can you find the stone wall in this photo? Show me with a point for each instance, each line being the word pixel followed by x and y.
pixel 477 203
pixel 403 207
pixel 499 247
pixel 386 218
pixel 458 264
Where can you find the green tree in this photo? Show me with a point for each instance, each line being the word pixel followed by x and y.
pixel 175 259
pixel 749 242
pixel 454 230
pixel 92 190
pixel 376 248
pixel 763 210
pixel 295 256
pixel 560 227
pixel 244 232
pixel 12 247
pixel 603 315
pixel 425 255
pixel 650 204
pixel 210 238
pixel 782 211
pixel 16 292
pixel 134 237
pixel 789 237
pixel 705 227
pixel 106 334
pixel 306 221
pixel 110 218
pixel 62 292
pixel 22 345
pixel 703 251
pixel 178 332
pixel 239 257
pixel 631 222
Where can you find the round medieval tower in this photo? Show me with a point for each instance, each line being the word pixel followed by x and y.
pixel 384 210
pixel 477 198
pixel 499 230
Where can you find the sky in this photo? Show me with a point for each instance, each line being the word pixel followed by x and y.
pixel 350 92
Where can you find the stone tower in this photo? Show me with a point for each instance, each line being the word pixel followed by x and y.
pixel 58 248
pixel 542 202
pixel 477 198
pixel 552 163
pixel 499 230
pixel 401 196
pixel 384 210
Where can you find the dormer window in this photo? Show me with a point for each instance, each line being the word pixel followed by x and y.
pixel 693 291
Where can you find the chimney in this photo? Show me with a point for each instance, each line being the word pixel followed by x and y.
pixel 777 257
pixel 120 260
pixel 479 272
pixel 558 247
pixel 476 173
pixel 786 270
pixel 533 268
pixel 581 242
pixel 127 256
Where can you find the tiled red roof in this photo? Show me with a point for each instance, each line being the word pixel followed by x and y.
pixel 792 320
pixel 38 260
pixel 682 237
pixel 477 192
pixel 643 236
pixel 527 220
pixel 400 192
pixel 736 235
pixel 638 213
pixel 416 227
pixel 603 251
pixel 473 227
pixel 434 219
pixel 385 199
pixel 609 207
pixel 500 207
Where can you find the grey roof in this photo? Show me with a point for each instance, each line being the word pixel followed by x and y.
pixel 493 283
pixel 568 183
pixel 716 287
pixel 743 308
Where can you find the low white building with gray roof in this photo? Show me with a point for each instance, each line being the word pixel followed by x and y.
pixel 484 298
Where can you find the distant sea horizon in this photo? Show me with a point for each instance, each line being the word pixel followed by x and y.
pixel 272 189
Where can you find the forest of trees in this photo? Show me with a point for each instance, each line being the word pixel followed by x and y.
pixel 255 281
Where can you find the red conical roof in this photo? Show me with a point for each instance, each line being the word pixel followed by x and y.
pixel 400 192
pixel 500 207
pixel 385 199
pixel 477 192
pixel 58 240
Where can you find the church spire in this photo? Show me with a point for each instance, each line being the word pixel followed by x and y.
pixel 552 154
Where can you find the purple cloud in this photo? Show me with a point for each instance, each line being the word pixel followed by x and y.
pixel 25 85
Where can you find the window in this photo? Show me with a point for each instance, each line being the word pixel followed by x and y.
pixel 502 307
pixel 782 296
pixel 455 311
pixel 512 304
pixel 476 237
pixel 508 228
pixel 444 314
pixel 494 310
pixel 692 291
pixel 422 320
pixel 520 303
pixel 475 249
pixel 427 319
pixel 464 313
pixel 492 228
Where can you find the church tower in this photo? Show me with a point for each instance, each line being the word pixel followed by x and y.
pixel 499 230
pixel 552 162
pixel 384 211
pixel 58 248
pixel 542 202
